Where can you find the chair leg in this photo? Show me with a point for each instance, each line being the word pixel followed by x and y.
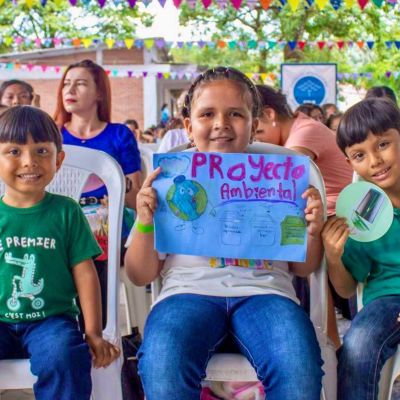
pixel 385 382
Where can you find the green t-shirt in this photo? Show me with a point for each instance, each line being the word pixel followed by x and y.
pixel 376 263
pixel 39 246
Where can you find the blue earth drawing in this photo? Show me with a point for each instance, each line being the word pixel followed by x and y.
pixel 187 199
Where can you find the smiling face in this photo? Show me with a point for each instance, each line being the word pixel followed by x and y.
pixel 16 95
pixel 221 117
pixel 26 169
pixel 377 160
pixel 79 92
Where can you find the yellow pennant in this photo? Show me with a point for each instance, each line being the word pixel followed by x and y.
pixel 29 3
pixel 109 42
pixel 249 75
pixel 87 42
pixel 129 43
pixel 294 4
pixel 2 2
pixel 349 3
pixel 321 3
pixel 8 40
pixel 149 43
pixel 166 75
pixel 58 2
pixel 263 77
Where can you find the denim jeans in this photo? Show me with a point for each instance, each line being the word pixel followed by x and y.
pixel 372 339
pixel 274 333
pixel 58 354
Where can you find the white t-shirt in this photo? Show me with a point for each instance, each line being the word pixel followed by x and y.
pixel 173 138
pixel 224 277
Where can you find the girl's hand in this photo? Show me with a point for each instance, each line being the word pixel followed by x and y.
pixel 103 352
pixel 334 237
pixel 146 199
pixel 314 212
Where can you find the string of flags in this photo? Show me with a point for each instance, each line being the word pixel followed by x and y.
pixel 184 75
pixel 265 4
pixel 160 43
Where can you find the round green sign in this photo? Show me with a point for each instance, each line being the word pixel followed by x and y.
pixel 367 209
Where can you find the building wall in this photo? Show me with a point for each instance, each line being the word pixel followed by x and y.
pixel 127 97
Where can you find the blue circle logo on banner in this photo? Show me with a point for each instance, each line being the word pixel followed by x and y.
pixel 309 89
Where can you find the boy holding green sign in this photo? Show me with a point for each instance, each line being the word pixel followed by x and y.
pixel 369 135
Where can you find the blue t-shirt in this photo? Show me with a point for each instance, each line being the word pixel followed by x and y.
pixel 116 140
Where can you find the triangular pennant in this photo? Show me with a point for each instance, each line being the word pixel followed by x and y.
pixel 321 3
pixel 87 42
pixel 57 41
pixel 146 2
pixel 58 2
pixel 108 71
pixel 129 74
pixel 236 4
pixel 362 3
pixel 131 3
pixel 159 75
pixel 18 67
pixel 114 72
pixel 73 2
pixel 139 43
pixel 191 3
pixel 378 3
pixel 360 44
pixel 370 44
pixel 321 44
pixel 388 74
pixel 162 3
pixel 149 43
pixel 160 43
pixel 301 44
pixel 57 69
pixel 166 75
pixel 249 75
pixel 263 77
pixel 232 44
pixel 309 3
pixel 252 44
pixel 265 4
pixel 340 44
pixel 30 67
pixel 336 4
pixel 76 42
pixel 29 3
pixel 292 44
pixel 294 4
pixel 397 44
pixel 129 43
pixel 272 76
pixel 101 3
pixel 271 44
pixel 177 3
pixel 9 40
pixel 2 2
pixel 18 40
pixel 206 3
pixel 349 3
pixel 43 67
pixel 109 42
pixel 221 44
pixel 201 44
pixel 389 44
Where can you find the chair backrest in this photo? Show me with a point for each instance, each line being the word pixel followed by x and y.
pixel 318 280
pixel 79 163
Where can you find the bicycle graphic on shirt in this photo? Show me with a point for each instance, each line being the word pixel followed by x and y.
pixel 24 286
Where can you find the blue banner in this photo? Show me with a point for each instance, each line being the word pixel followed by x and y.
pixel 231 205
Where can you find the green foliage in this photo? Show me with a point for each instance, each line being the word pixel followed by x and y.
pixel 61 20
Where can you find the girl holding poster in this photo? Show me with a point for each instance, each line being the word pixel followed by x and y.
pixel 205 300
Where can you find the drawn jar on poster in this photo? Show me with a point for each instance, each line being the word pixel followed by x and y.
pixel 231 228
pixel 263 229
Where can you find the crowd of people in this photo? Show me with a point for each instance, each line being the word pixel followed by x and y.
pixel 223 111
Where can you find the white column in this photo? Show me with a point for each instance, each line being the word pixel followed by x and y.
pixel 150 102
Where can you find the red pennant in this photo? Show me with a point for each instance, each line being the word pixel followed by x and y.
pixel 340 44
pixel 206 3
pixel 321 45
pixel 301 45
pixel 108 71
pixel 177 3
pixel 236 4
pixel 362 3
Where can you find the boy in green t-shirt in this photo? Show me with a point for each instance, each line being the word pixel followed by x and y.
pixel 369 135
pixel 46 250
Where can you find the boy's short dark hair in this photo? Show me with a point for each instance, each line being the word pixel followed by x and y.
pixel 372 115
pixel 17 123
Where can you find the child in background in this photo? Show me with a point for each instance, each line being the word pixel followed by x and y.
pixel 46 250
pixel 200 306
pixel 369 135
pixel 18 93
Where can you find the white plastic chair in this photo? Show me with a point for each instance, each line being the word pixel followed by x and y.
pixel 236 367
pixel 79 163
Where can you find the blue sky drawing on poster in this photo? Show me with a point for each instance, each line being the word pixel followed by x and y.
pixel 231 205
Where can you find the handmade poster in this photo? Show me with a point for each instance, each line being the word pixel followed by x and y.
pixel 231 205
pixel 367 209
